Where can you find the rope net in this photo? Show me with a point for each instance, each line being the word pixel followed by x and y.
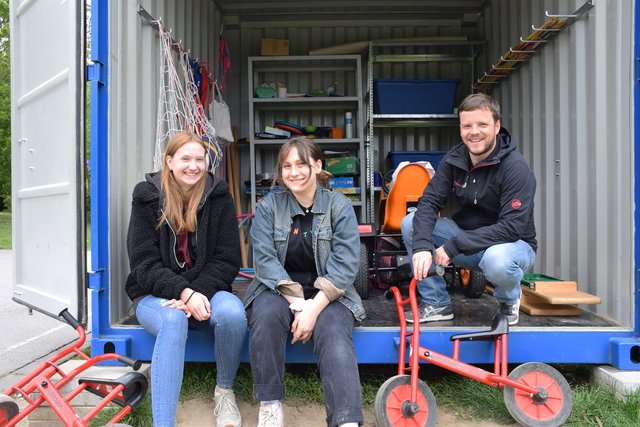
pixel 179 106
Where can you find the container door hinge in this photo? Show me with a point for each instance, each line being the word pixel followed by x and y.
pixel 95 72
pixel 96 279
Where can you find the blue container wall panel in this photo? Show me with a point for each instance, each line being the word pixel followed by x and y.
pixel 380 346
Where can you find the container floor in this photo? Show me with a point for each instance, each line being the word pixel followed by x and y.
pixel 468 312
pixel 472 312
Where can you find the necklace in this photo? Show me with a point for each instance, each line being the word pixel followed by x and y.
pixel 305 209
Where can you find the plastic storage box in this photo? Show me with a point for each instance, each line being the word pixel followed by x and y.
pixel 342 166
pixel 414 96
pixel 433 157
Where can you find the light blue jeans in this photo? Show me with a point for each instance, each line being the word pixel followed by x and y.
pixel 228 323
pixel 503 265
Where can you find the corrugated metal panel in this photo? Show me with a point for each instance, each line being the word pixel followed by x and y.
pixel 133 92
pixel 570 107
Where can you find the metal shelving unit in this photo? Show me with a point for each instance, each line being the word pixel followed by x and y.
pixel 391 52
pixel 302 75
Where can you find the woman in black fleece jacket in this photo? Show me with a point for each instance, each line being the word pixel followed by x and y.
pixel 184 254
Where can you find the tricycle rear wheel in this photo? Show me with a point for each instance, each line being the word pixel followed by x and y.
pixel 550 408
pixel 8 408
pixel 393 406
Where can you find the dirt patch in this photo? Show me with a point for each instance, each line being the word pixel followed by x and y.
pixel 199 412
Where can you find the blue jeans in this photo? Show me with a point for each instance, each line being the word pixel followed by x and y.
pixel 270 323
pixel 503 265
pixel 170 326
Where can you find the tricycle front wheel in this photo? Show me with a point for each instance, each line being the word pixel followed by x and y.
pixel 393 406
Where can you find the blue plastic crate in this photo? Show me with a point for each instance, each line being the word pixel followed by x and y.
pixel 414 96
pixel 433 157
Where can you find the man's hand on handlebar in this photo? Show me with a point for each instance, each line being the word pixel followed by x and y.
pixel 421 264
pixel 425 264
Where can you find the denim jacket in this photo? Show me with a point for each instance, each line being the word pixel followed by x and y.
pixel 336 244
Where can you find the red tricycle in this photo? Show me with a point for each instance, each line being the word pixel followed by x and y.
pixel 46 381
pixel 535 394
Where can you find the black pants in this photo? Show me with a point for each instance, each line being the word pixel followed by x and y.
pixel 270 323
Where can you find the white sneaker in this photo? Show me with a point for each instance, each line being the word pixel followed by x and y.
pixel 271 416
pixel 226 411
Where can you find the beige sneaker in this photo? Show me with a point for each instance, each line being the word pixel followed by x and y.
pixel 271 416
pixel 226 411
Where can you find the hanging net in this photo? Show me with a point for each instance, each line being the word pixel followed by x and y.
pixel 179 106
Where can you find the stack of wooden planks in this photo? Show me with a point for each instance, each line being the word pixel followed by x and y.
pixel 547 296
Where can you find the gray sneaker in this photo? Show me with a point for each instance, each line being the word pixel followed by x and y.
pixel 271 416
pixel 429 313
pixel 226 410
pixel 512 311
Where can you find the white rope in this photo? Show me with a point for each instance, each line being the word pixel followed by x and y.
pixel 178 106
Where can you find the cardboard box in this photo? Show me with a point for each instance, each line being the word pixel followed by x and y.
pixel 274 47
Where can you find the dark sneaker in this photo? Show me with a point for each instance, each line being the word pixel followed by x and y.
pixel 512 311
pixel 429 313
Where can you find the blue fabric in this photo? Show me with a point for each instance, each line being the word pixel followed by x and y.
pixel 170 326
pixel 336 243
pixel 503 264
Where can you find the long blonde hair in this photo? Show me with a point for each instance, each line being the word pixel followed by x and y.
pixel 180 206
pixel 308 151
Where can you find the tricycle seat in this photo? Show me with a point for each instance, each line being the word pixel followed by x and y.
pixel 499 326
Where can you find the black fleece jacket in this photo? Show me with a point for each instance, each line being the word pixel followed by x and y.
pixel 495 199
pixel 214 245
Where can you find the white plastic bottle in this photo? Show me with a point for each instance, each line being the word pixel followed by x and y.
pixel 348 125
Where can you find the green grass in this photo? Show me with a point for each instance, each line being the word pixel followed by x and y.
pixel 593 405
pixel 5 230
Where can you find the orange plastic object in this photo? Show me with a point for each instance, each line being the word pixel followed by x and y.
pixel 407 188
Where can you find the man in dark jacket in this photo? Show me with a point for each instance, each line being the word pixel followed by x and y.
pixel 493 231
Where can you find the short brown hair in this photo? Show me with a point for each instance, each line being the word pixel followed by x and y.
pixel 480 101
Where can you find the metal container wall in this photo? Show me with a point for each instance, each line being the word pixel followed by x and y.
pixel 134 82
pixel 571 108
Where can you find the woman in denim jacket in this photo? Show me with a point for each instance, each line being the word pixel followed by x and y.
pixel 306 256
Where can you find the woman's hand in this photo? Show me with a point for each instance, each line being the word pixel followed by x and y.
pixel 303 323
pixel 196 303
pixel 199 306
pixel 177 304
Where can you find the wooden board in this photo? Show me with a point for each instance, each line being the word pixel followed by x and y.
pixel 553 286
pixel 534 306
pixel 563 297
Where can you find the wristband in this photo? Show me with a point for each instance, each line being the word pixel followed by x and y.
pixel 296 307
pixel 190 297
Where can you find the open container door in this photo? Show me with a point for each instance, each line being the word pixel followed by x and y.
pixel 47 145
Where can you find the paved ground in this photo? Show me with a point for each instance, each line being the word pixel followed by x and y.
pixel 26 336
